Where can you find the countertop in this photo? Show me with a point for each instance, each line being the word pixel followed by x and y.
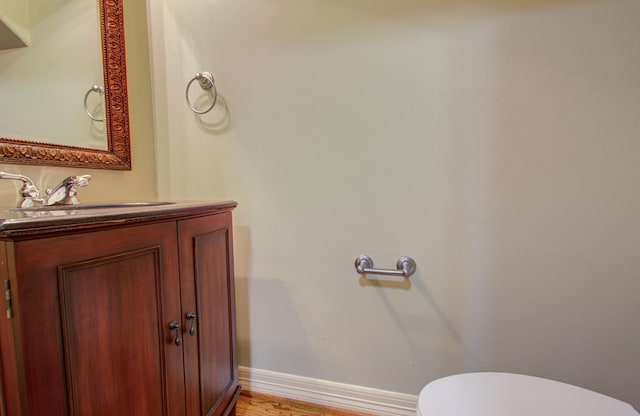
pixel 14 220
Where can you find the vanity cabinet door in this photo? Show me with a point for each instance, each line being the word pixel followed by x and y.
pixel 92 313
pixel 211 375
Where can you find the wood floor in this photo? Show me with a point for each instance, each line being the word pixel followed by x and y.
pixel 258 404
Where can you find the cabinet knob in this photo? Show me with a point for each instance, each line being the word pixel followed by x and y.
pixel 191 316
pixel 175 325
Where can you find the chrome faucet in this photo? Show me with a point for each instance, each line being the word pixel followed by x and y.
pixel 66 191
pixel 63 194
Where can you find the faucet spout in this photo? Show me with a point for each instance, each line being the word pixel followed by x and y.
pixel 66 191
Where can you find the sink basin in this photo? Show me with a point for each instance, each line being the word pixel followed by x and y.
pixel 104 205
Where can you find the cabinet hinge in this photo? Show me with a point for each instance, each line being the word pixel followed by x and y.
pixel 7 296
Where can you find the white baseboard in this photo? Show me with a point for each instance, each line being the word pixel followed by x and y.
pixel 328 393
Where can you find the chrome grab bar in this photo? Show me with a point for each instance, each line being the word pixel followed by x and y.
pixel 406 266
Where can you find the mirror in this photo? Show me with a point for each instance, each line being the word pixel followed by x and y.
pixel 115 153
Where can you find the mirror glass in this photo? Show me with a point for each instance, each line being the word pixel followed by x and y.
pixel 64 96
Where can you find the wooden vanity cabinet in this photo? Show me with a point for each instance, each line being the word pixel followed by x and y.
pixel 133 319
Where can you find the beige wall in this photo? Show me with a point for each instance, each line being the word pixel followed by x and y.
pixel 15 15
pixel 495 142
pixel 137 184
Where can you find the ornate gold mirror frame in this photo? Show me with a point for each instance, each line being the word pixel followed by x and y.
pixel 118 153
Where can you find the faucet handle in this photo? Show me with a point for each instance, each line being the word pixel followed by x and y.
pixel 77 181
pixel 29 191
pixel 80 180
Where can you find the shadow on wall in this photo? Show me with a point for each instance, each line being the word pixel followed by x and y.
pixel 217 121
pixel 460 356
pixel 400 283
pixel 242 255
pixel 555 226
pixel 260 302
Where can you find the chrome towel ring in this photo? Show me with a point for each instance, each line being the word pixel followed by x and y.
pixel 99 90
pixel 206 81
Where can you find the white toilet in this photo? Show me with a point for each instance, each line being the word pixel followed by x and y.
pixel 504 394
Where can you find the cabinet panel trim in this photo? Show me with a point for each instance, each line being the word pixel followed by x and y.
pixel 65 284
